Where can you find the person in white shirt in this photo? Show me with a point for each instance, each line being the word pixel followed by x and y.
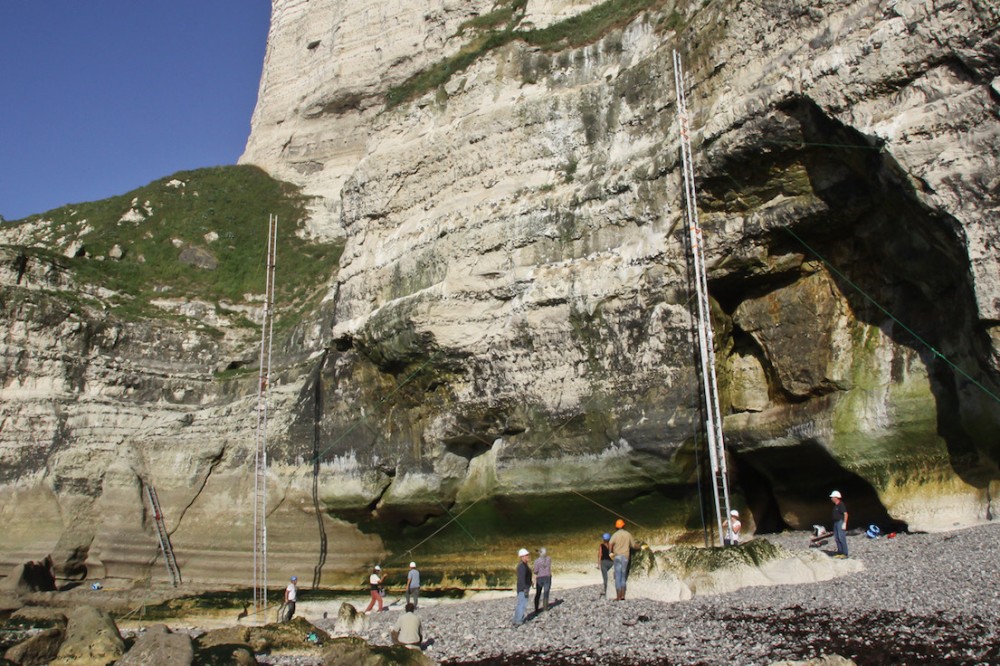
pixel 375 585
pixel 731 528
pixel 408 630
pixel 291 596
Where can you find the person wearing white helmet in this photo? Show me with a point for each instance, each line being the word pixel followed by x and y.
pixel 375 581
pixel 291 596
pixel 523 586
pixel 413 584
pixel 731 529
pixel 839 524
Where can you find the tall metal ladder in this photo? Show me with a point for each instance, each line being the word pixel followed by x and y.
pixel 173 571
pixel 260 458
pixel 706 339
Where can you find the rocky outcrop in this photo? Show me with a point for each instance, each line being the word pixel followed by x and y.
pixel 506 340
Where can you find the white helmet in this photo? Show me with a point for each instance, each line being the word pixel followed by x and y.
pixel 523 552
pixel 835 493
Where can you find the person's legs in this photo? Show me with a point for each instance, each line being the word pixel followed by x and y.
pixel 522 606
pixel 620 564
pixel 408 589
pixel 416 596
pixel 289 610
pixel 546 585
pixel 840 538
pixel 605 566
pixel 538 592
pixel 375 597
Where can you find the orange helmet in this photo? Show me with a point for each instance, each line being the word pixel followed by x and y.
pixel 619 523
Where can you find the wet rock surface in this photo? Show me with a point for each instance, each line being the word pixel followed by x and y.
pixel 921 598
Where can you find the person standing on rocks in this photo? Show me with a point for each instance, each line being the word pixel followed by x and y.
pixel 375 584
pixel 604 562
pixel 523 586
pixel 839 524
pixel 543 579
pixel 291 596
pixel 621 545
pixel 413 584
pixel 731 528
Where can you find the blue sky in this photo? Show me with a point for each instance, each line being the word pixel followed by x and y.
pixel 98 97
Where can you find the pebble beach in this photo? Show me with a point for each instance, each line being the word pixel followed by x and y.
pixel 921 599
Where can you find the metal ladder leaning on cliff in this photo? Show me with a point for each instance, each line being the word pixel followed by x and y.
pixel 260 458
pixel 162 535
pixel 706 339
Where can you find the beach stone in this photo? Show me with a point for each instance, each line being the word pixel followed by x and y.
pixel 832 660
pixel 92 639
pixel 158 646
pixel 40 649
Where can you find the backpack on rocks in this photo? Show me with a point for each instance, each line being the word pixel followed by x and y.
pixel 873 532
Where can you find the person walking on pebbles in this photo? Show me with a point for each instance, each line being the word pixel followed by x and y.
pixel 839 524
pixel 543 578
pixel 375 587
pixel 731 528
pixel 604 562
pixel 413 584
pixel 523 586
pixel 621 544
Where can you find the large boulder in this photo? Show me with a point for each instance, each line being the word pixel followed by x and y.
pixel 349 620
pixel 158 646
pixel 354 651
pixel 38 650
pixel 92 639
pixel 30 577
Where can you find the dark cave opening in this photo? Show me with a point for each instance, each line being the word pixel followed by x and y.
pixel 899 263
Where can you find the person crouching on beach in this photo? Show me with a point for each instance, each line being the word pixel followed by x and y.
pixel 523 586
pixel 375 585
pixel 408 629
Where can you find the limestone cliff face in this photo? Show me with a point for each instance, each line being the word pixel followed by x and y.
pixel 510 322
pixel 513 239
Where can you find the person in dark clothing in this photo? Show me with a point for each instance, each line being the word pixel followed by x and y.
pixel 543 579
pixel 839 524
pixel 523 586
pixel 604 562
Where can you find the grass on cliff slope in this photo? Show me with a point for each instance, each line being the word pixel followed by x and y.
pixel 499 27
pixel 217 215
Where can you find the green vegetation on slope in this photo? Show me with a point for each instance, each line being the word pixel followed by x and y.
pixel 499 27
pixel 195 235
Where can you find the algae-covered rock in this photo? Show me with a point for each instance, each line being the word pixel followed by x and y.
pixel 353 651
pixel 678 573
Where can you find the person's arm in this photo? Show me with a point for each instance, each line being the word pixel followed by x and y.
pixel 845 520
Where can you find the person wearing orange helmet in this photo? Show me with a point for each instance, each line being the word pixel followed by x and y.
pixel 621 545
